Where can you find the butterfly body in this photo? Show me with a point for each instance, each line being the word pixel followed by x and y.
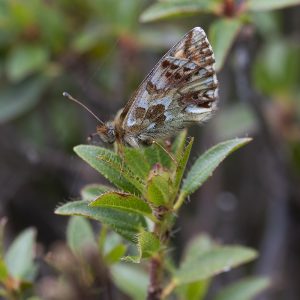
pixel 181 90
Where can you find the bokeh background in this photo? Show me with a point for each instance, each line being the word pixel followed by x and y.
pixel 100 51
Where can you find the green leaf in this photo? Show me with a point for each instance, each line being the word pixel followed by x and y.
pixel 158 186
pixel 148 245
pixel 111 167
pixel 245 289
pixel 198 245
pixel 222 34
pixel 3 222
pixel 24 60
pixel 123 201
pixel 174 8
pixel 79 234
pixel 131 280
pixel 179 143
pixel 275 70
pixel 258 5
pixel 208 162
pixel 213 262
pixel 18 99
pixel 182 164
pixel 194 291
pixel 92 191
pixel 90 36
pixel 240 113
pixel 124 223
pixel 156 154
pixel 115 254
pixel 137 161
pixel 19 257
pixel 3 271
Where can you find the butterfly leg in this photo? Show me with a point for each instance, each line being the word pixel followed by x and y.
pixel 119 148
pixel 166 151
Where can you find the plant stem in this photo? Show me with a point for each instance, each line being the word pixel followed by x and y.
pixel 179 201
pixel 156 267
pixel 154 289
pixel 168 289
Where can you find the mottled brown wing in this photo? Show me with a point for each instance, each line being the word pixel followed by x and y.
pixel 180 90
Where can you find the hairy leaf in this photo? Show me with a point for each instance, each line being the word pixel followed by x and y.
pixel 123 201
pixel 110 165
pixel 148 244
pixel 179 143
pixel 137 161
pixel 182 164
pixel 208 162
pixel 92 191
pixel 158 186
pixel 124 223
pixel 157 154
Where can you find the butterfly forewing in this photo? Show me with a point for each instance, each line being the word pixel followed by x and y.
pixel 179 91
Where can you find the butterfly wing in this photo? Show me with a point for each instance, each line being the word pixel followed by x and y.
pixel 179 91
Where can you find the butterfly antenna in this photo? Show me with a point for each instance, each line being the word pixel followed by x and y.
pixel 67 95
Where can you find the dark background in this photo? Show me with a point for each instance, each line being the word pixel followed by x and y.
pixel 100 52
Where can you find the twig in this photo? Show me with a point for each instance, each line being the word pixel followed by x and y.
pixel 154 289
pixel 156 268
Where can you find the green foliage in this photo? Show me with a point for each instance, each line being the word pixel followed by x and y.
pixel 260 5
pixel 208 162
pixel 93 191
pixel 109 165
pixel 148 245
pixel 245 289
pixel 209 263
pixel 79 234
pixel 224 30
pixel 17 266
pixel 222 34
pixel 276 68
pixel 131 280
pixel 125 223
pixel 115 254
pixel 158 186
pixel 240 113
pixel 39 43
pixel 122 201
pixel 179 8
pixel 19 257
pixel 19 98
pixel 151 192
pixel 25 61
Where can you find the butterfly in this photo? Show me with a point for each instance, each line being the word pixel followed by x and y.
pixel 181 90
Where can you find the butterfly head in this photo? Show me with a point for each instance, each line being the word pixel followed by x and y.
pixel 107 132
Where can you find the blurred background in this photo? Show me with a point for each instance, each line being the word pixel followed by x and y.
pixel 100 51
